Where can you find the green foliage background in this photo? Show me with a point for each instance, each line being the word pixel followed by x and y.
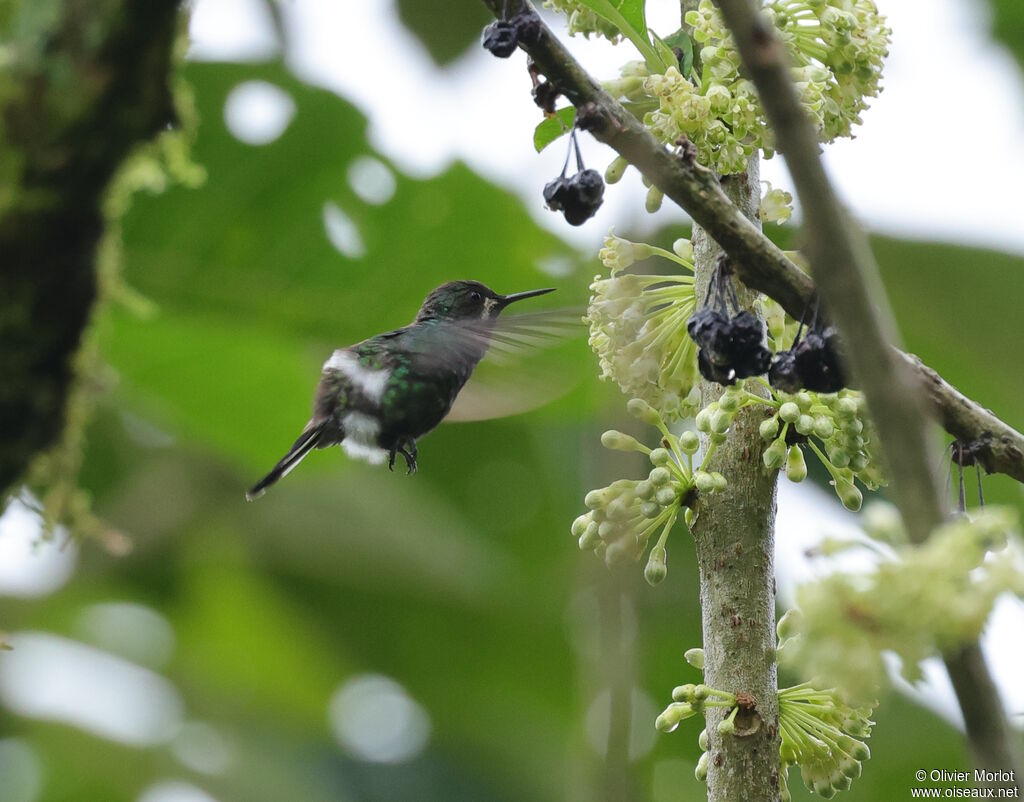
pixel 462 582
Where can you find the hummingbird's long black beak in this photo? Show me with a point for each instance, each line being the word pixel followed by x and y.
pixel 505 300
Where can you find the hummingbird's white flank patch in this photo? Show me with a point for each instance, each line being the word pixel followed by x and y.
pixel 370 382
pixel 360 441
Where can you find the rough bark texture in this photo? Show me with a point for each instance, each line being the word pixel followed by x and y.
pixel 84 90
pixel 734 534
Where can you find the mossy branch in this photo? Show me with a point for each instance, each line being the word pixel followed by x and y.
pixel 88 81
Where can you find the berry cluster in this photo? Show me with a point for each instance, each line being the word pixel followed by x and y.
pixel 637 326
pixel 577 197
pixel 731 346
pixel 624 515
pixel 501 38
pixel 812 363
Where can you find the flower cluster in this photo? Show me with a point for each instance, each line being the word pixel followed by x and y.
pixel 837 48
pixel 583 20
pixel 821 734
pixel 638 325
pixel 624 515
pixel 917 601
pixel 776 205
pixel 818 730
pixel 832 425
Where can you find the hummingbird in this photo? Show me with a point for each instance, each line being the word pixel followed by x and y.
pixel 378 397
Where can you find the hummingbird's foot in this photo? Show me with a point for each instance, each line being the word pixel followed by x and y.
pixel 408 450
pixel 391 458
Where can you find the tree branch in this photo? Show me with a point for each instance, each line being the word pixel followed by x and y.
pixel 79 97
pixel 848 277
pixel 734 535
pixel 759 263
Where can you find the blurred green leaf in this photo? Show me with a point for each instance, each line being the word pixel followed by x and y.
pixel 1008 25
pixel 445 30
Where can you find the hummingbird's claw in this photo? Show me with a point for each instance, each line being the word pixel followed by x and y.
pixel 408 450
pixel 391 459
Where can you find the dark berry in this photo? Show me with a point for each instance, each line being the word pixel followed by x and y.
pixel 817 363
pixel 712 371
pixel 585 197
pixel 501 39
pixel 590 187
pixel 557 193
pixel 707 327
pixel 782 374
pixel 528 27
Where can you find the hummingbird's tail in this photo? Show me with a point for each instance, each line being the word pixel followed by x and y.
pixel 307 441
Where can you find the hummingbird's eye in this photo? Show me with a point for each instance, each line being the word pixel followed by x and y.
pixel 475 297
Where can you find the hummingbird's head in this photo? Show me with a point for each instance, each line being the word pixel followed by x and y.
pixel 469 300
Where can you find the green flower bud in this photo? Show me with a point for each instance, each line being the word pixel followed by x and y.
pixel 848 494
pixel 823 427
pixel 605 530
pixel 703 481
pixel 701 692
pixel 656 568
pixel 683 248
pixel 702 740
pixel 644 490
pixel 729 401
pixel 769 428
pixel 666 496
pixel 804 400
pixel 805 424
pixel 688 517
pixel 789 412
pixel 717 437
pixel 596 499
pixel 846 407
pixel 727 726
pixel 720 482
pixel 643 411
pixel 654 198
pixel 659 476
pixel 617 441
pixel 689 442
pixel 589 539
pixel 613 173
pixel 721 421
pixel 775 454
pixel 682 693
pixel 618 553
pixel 701 772
pixel 695 657
pixel 703 421
pixel 855 426
pixel 672 715
pixel 580 525
pixel 650 509
pixel 660 457
pixel 796 468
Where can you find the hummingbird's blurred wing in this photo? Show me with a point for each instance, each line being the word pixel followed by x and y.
pixel 523 368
